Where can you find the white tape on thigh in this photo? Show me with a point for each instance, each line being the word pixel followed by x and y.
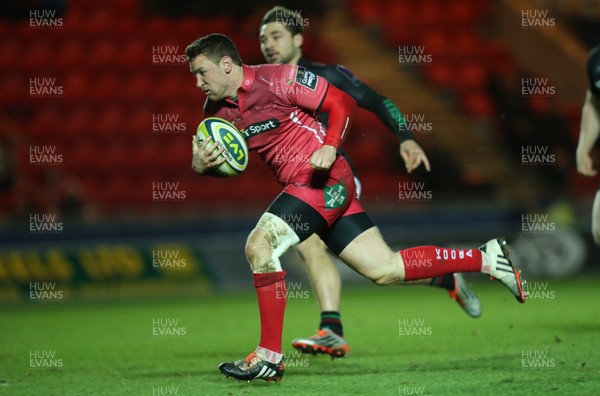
pixel 281 236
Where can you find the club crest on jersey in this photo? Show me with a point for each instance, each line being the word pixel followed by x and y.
pixel 261 127
pixel 335 196
pixel 306 78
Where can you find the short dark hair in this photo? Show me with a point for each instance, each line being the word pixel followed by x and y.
pixel 214 46
pixel 291 20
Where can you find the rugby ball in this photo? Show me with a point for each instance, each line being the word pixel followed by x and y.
pixel 225 133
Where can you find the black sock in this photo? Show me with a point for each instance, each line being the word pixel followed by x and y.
pixel 332 321
pixel 446 281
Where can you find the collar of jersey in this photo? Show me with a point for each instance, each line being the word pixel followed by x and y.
pixel 249 74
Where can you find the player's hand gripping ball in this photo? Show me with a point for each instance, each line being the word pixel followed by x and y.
pixel 228 136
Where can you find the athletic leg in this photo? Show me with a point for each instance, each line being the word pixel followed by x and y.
pixel 272 237
pixel 368 254
pixel 323 275
pixel 350 226
pixel 326 283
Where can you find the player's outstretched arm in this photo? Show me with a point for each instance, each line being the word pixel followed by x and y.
pixel 590 129
pixel 369 99
pixel 206 157
pixel 387 112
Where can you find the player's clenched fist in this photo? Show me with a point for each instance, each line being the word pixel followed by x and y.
pixel 323 158
pixel 206 155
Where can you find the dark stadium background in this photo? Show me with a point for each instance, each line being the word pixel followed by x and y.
pixel 97 198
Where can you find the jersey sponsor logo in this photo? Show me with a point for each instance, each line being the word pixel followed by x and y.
pixel 306 78
pixel 261 127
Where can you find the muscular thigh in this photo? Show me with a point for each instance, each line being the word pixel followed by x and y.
pixel 369 255
pixel 311 246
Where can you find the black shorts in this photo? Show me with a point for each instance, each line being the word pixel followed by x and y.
pixel 305 221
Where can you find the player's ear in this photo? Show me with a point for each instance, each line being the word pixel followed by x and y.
pixel 298 40
pixel 227 64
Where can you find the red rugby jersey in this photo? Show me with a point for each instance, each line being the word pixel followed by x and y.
pixel 275 109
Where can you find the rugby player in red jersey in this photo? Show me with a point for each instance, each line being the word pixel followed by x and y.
pixel 274 106
pixel 590 129
pixel 281 41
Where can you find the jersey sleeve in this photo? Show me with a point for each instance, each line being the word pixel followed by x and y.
pixel 311 92
pixel 306 89
pixel 367 98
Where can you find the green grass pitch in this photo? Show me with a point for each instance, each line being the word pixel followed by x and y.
pixel 404 341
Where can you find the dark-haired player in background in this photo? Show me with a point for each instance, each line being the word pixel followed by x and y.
pixel 590 129
pixel 281 41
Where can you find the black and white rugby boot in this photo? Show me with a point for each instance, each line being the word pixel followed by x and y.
pixel 498 265
pixel 253 367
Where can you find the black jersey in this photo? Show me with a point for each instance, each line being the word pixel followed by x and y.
pixel 593 71
pixel 365 96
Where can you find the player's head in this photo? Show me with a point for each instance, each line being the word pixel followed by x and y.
pixel 281 35
pixel 212 60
